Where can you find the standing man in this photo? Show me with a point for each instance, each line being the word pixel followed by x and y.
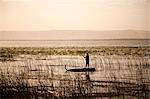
pixel 87 59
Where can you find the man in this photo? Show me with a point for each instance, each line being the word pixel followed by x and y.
pixel 87 59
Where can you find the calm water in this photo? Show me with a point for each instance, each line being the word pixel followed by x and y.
pixel 74 43
pixel 48 70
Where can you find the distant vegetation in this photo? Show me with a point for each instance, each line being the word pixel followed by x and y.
pixel 12 51
pixel 8 53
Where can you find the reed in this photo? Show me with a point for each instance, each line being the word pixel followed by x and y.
pixel 36 72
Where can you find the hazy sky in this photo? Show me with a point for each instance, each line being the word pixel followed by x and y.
pixel 43 15
pixel 149 15
pixel 74 14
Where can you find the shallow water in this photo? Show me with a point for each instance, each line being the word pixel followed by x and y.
pixel 49 70
pixel 123 73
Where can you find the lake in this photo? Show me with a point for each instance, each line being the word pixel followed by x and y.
pixel 74 43
pixel 36 69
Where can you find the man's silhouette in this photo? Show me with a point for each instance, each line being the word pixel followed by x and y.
pixel 87 59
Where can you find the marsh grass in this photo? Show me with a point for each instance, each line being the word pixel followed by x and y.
pixel 135 51
pixel 39 72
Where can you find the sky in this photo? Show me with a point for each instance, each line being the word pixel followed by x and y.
pixel 1 16
pixel 93 15
pixel 148 14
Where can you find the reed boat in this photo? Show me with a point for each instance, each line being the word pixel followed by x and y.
pixel 80 69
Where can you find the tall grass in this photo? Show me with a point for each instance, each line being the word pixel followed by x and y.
pixel 43 75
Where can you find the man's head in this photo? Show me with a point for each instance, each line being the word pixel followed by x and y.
pixel 87 53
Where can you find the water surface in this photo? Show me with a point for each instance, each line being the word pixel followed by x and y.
pixel 74 43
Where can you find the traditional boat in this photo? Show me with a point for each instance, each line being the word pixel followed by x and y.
pixel 80 69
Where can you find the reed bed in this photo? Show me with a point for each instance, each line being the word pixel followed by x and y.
pixel 34 72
